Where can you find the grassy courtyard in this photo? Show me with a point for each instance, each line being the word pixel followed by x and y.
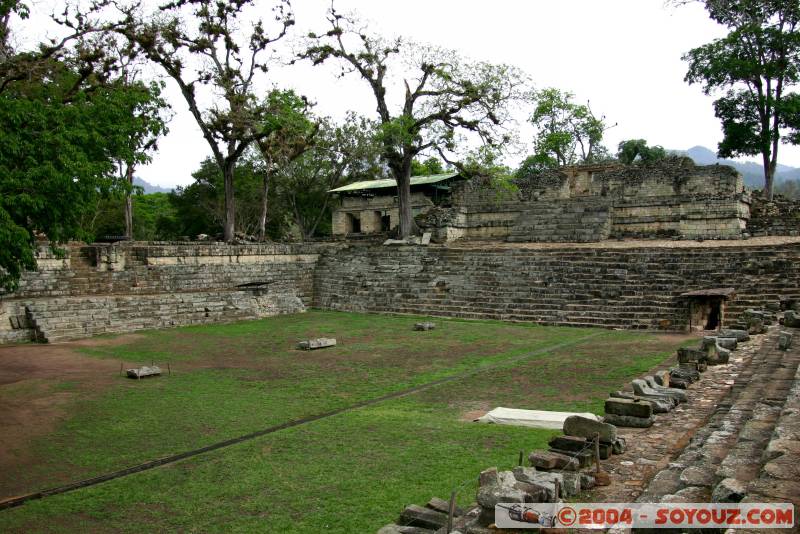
pixel 351 472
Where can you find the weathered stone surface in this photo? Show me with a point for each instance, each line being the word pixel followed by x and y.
pixel 572 483
pixel 490 495
pixel 697 476
pixel 417 516
pixel 791 318
pixel 424 326
pixel 729 343
pixel 627 407
pixel 619 445
pixel 643 389
pixel 576 444
pixel 729 490
pixel 584 458
pixel 587 481
pixel 740 335
pixel 784 340
pixel 688 355
pixel 144 372
pixel 552 460
pixel 715 353
pixel 441 505
pixel 676 393
pixel 629 420
pixel 658 405
pixel 662 378
pixel 488 477
pixel 587 428
pixel 318 343
pixel 544 480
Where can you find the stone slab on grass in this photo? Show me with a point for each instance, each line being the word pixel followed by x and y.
pixel 144 372
pixel 318 343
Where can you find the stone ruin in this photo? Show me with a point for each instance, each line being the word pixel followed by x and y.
pixel 673 198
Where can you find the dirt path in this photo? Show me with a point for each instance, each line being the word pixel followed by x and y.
pixel 37 383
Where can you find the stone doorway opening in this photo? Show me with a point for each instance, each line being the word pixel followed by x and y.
pixel 707 308
pixel 353 224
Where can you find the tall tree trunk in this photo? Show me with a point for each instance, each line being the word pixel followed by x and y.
pixel 407 225
pixel 769 175
pixel 262 220
pixel 230 203
pixel 129 203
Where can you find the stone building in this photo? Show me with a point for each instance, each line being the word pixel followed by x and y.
pixel 673 198
pixel 371 206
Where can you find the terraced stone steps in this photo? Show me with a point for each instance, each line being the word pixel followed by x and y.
pixel 731 450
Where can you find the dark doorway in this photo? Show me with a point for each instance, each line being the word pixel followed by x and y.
pixel 386 223
pixel 353 224
pixel 713 315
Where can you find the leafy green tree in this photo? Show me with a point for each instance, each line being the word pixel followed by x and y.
pixel 566 133
pixel 154 217
pixel 291 134
pixel 441 96
pixel 637 150
pixel 756 65
pixel 428 167
pixel 201 206
pixel 341 154
pixel 61 130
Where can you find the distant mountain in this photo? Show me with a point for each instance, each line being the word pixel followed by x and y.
pixel 753 173
pixel 148 187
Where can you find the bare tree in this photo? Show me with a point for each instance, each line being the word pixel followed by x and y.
pixel 442 96
pixel 230 61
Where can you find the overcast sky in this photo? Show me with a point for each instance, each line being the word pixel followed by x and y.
pixel 624 56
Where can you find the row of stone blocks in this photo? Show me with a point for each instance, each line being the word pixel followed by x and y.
pixel 748 451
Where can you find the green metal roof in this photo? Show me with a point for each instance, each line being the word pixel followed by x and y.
pixel 382 184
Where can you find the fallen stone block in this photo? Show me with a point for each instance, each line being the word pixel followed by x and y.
pixel 619 446
pixel 441 505
pixel 662 378
pixel 629 421
pixel 551 460
pixel 627 407
pixel 715 354
pixel 418 516
pixel 740 335
pixel 572 483
pixel 679 394
pixel 791 319
pixel 144 372
pixel 687 355
pixel 319 343
pixel 502 490
pixel 424 326
pixel 582 427
pixel 572 444
pixel 659 405
pixel 544 480
pixel 685 373
pixel 642 389
pixel 784 340
pixel 585 458
pixel 729 343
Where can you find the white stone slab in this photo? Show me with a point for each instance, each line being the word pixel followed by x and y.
pixel 530 418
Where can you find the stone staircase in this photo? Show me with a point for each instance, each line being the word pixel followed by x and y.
pixel 571 221
pixel 728 459
pixel 63 319
pixel 613 288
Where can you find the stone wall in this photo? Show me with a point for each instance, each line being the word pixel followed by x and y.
pixel 116 288
pixel 582 286
pixel 673 198
pixel 779 217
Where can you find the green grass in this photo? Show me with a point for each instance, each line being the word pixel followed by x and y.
pixel 350 473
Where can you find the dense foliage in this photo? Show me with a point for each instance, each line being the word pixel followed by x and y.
pixel 756 65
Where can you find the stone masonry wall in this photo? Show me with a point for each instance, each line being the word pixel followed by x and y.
pixel 115 288
pixel 609 287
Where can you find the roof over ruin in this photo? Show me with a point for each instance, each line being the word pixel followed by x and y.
pixel 724 292
pixel 383 184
